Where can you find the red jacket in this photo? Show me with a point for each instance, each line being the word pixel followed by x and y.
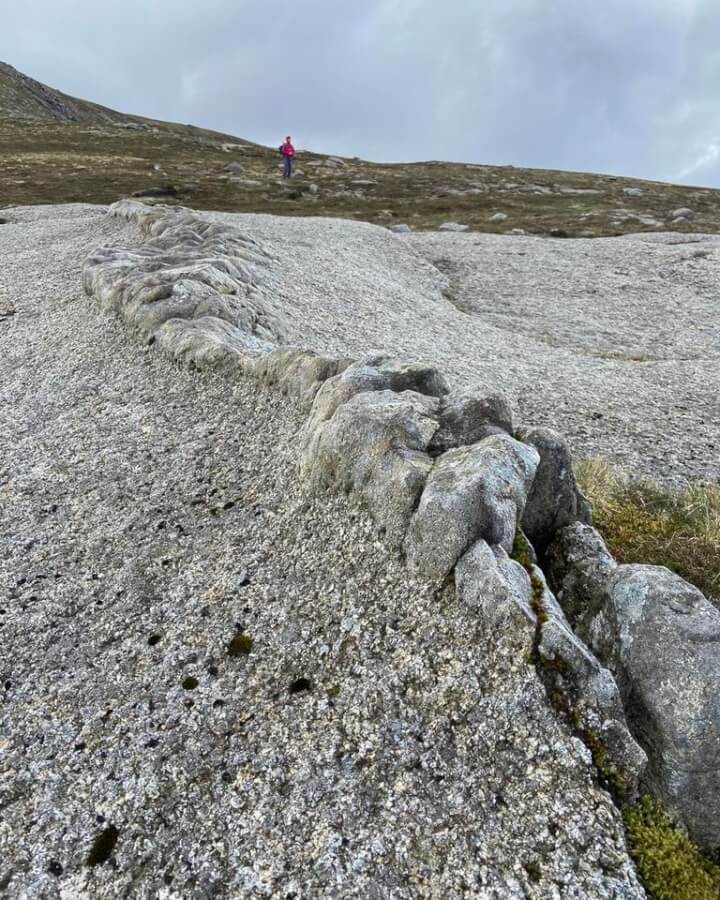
pixel 288 149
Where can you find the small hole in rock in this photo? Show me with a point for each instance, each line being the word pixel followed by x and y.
pixel 103 846
pixel 54 868
pixel 154 639
pixel 190 683
pixel 300 685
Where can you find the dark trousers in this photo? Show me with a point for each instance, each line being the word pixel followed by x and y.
pixel 287 170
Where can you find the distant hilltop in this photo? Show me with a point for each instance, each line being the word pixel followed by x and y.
pixel 22 97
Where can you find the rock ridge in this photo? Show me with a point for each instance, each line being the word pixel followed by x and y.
pixel 446 478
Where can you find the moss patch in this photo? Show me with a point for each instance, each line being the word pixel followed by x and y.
pixel 670 865
pixel 240 645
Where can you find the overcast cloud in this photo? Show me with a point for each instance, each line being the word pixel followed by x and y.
pixel 629 87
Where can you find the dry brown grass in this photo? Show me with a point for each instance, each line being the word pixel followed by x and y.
pixel 642 522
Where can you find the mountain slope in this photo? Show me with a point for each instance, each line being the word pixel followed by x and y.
pixel 23 97
pixel 58 149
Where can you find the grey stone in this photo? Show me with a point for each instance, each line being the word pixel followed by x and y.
pixel 401 228
pixel 468 416
pixel 313 188
pixel 579 565
pixel 498 217
pixel 555 499
pixel 632 192
pixel 498 589
pixel 453 226
pixel 375 445
pixel 472 492
pixel 374 372
pixel 660 636
pixel 590 695
pixel 682 213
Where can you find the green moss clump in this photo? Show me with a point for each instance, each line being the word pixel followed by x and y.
pixel 334 691
pixel 670 865
pixel 240 645
pixel 521 551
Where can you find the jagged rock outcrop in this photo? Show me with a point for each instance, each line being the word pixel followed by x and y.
pixel 659 636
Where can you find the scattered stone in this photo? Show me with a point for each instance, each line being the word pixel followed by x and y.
pixel 632 192
pixel 313 188
pixel 453 226
pixel 682 213
pixel 401 228
pixel 498 217
pixel 167 190
pixel 517 231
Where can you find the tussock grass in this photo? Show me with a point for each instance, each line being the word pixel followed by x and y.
pixel 643 522
pixel 670 865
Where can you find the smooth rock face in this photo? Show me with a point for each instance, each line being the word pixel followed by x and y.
pixel 467 416
pixel 555 499
pixel 472 492
pixel 661 637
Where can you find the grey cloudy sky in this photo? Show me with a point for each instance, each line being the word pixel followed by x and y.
pixel 621 86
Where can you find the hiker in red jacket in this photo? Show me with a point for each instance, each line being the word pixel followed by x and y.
pixel 288 152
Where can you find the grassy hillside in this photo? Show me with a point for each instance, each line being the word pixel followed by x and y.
pixel 55 149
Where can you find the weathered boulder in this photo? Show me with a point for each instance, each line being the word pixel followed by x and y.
pixel 374 372
pixel 375 445
pixel 498 217
pixel 509 597
pixel 467 416
pixel 401 228
pixel 660 638
pixel 555 499
pixel 633 192
pixel 473 492
pixel 682 213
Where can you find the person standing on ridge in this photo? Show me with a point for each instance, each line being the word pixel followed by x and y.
pixel 288 152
